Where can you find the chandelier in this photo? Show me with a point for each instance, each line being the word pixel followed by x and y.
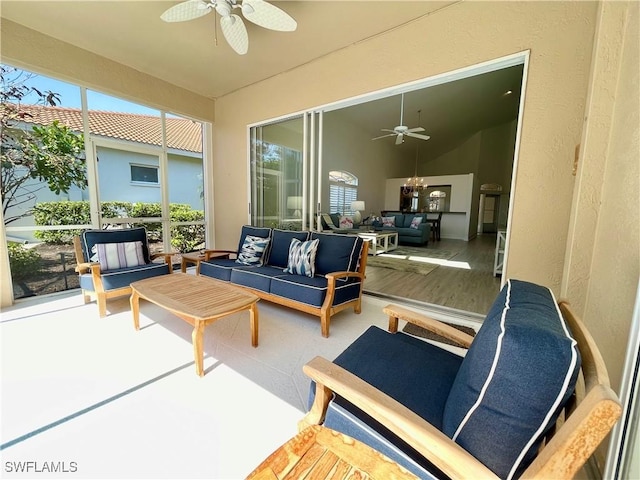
pixel 414 184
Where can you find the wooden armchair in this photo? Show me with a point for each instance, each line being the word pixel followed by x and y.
pixel 559 445
pixel 108 261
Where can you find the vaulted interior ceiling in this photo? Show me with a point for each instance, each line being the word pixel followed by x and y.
pixel 185 54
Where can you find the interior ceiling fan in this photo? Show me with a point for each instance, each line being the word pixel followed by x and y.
pixel 256 11
pixel 401 130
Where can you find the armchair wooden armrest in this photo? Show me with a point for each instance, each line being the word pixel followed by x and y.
pixel 396 312
pixel 166 256
pixel 431 443
pixel 209 253
pixel 84 267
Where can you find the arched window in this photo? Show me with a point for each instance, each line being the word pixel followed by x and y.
pixel 343 189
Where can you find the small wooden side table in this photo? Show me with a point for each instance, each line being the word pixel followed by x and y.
pixel 321 453
pixel 196 257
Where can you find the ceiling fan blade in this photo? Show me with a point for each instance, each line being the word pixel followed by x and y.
pixel 417 135
pixel 416 129
pixel 400 138
pixel 388 130
pixel 235 33
pixel 268 16
pixel 384 136
pixel 186 11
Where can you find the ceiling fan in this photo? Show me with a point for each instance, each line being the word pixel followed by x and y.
pixel 401 130
pixel 257 11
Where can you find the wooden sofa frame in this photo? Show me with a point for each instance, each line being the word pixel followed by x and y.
pixel 100 294
pixel 327 309
pixel 585 421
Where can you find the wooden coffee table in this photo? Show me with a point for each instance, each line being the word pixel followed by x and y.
pixel 321 453
pixel 199 301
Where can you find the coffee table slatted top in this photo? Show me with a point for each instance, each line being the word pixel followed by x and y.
pixel 201 298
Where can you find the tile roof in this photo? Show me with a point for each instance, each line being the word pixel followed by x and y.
pixel 182 133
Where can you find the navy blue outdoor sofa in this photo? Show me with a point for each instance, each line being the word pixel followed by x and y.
pixel 328 277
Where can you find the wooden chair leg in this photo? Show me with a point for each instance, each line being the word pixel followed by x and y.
pixel 102 304
pixel 86 296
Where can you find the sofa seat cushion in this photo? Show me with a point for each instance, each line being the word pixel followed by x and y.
pixel 313 290
pixel 252 277
pixel 279 248
pixel 114 279
pixel 411 232
pixel 218 268
pixel 519 371
pixel 337 253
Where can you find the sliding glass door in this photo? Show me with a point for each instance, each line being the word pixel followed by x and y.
pixel 282 153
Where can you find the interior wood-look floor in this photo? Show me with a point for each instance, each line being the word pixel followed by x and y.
pixel 469 286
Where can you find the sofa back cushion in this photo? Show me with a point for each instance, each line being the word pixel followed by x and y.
pixel 92 237
pixel 280 243
pixel 337 253
pixel 518 373
pixel 262 232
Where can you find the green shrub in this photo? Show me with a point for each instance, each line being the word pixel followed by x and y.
pixel 24 262
pixel 61 213
pixel 184 238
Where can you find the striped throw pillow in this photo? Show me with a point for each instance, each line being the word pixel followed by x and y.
pixel 113 256
pixel 252 250
pixel 302 257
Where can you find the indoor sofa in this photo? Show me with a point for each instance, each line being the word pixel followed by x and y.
pixel 488 414
pixel 407 235
pixel 328 281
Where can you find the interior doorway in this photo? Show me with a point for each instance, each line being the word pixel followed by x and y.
pixel 489 213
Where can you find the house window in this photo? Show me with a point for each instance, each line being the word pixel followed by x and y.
pixel 343 189
pixel 144 174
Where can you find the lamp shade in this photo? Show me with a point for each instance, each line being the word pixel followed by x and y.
pixel 357 206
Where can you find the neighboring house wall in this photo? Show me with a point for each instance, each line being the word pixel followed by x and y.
pixel 184 177
pixel 114 176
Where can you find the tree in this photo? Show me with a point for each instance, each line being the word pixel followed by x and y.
pixel 37 156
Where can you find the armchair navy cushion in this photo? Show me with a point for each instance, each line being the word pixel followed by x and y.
pixel 519 371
